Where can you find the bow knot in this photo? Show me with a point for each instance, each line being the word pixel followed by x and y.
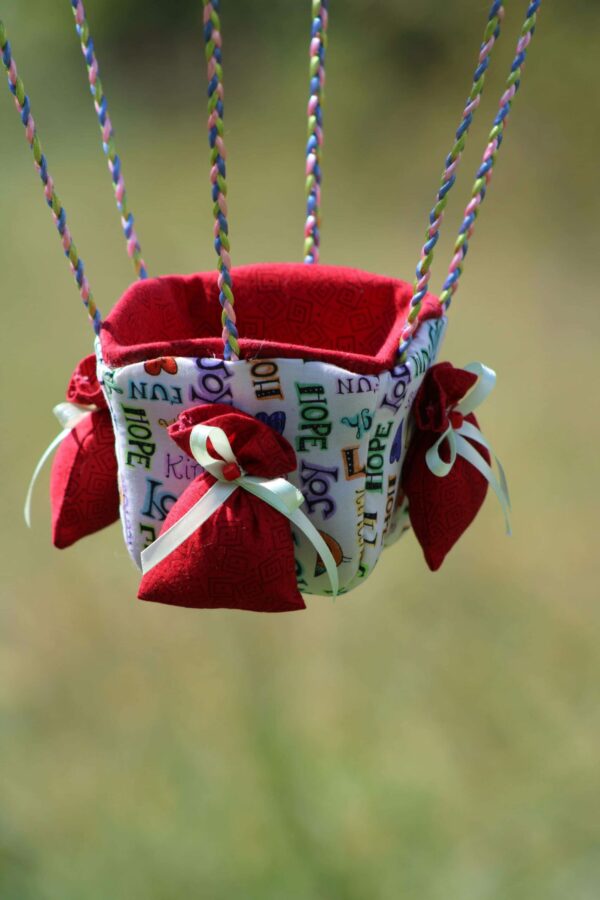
pixel 460 433
pixel 206 440
pixel 231 472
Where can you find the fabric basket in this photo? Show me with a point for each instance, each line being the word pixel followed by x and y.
pixel 335 392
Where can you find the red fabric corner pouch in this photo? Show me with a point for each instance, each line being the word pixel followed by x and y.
pixel 441 508
pixel 84 491
pixel 242 556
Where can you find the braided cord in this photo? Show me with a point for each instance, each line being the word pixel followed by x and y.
pixel 423 274
pixel 212 40
pixel 58 213
pixel 318 46
pixel 108 139
pixel 485 172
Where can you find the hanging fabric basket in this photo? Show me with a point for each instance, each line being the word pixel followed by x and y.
pixel 265 431
pixel 338 398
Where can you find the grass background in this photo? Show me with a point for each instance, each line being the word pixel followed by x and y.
pixel 427 736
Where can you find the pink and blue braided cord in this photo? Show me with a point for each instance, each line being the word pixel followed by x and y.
pixel 59 215
pixel 108 139
pixel 485 172
pixel 484 176
pixel 218 176
pixel 423 274
pixel 318 46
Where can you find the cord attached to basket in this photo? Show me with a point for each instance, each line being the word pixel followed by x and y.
pixel 108 139
pixel 318 46
pixel 218 175
pixel 484 176
pixel 212 41
pixel 59 215
pixel 491 35
pixel 485 172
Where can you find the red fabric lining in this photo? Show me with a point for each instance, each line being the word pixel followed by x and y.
pixel 343 316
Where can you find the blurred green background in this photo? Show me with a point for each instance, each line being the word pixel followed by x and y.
pixel 433 737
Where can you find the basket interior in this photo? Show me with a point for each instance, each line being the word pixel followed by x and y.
pixel 343 316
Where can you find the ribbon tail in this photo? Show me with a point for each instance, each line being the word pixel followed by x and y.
pixel 468 452
pixel 285 498
pixel 277 492
pixel 184 528
pixel 470 431
pixel 42 462
pixel 305 525
pixel 503 481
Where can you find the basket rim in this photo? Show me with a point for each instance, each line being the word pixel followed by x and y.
pixel 343 316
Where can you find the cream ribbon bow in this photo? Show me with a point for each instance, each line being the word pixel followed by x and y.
pixel 69 415
pixel 277 492
pixel 459 446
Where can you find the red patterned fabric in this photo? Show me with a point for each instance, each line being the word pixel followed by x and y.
pixel 441 508
pixel 84 386
pixel 242 557
pixel 345 317
pixel 83 483
pixel 83 486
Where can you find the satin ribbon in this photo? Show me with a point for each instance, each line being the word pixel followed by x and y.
pixel 460 446
pixel 277 492
pixel 69 415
